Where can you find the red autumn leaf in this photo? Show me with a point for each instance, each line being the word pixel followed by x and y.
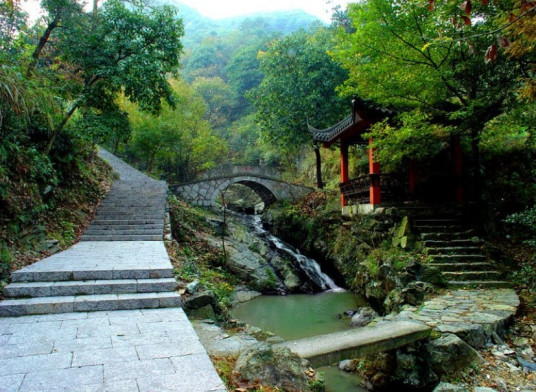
pixel 466 20
pixel 471 48
pixel 484 2
pixel 512 18
pixel 431 5
pixel 466 7
pixel 491 53
pixel 503 41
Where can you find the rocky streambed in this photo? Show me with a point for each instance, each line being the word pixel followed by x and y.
pixel 464 321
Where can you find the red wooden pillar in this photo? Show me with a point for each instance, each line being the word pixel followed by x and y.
pixel 344 168
pixel 413 177
pixel 374 169
pixel 458 168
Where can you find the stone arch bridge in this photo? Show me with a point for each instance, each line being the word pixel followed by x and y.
pixel 265 182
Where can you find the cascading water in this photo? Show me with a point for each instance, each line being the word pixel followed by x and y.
pixel 309 266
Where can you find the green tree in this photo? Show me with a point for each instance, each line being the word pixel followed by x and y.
pixel 178 142
pixel 429 58
pixel 132 48
pixel 219 97
pixel 298 89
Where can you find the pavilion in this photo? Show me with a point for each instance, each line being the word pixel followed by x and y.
pixel 376 189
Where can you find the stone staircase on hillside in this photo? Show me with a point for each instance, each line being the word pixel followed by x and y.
pixel 120 264
pixel 133 210
pixel 130 212
pixel 455 250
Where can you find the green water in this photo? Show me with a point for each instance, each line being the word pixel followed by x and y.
pixel 299 315
pixel 340 381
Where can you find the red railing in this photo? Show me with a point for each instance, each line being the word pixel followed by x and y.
pixel 357 190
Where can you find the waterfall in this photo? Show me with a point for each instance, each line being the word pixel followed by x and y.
pixel 309 266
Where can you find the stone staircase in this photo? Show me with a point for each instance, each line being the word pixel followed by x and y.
pixel 120 264
pixel 455 250
pixel 133 210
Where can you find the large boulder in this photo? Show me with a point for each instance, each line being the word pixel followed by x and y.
pixel 449 353
pixel 275 367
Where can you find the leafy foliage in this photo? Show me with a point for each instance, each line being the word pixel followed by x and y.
pixel 177 143
pixel 298 88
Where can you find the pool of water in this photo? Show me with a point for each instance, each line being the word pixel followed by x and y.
pixel 337 380
pixel 299 315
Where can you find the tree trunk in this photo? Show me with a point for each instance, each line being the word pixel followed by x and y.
pixel 319 182
pixel 42 42
pixel 57 131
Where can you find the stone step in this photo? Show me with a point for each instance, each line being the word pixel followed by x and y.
pixel 449 243
pixel 135 230
pixel 133 216
pixel 144 226
pixel 159 221
pixel 436 222
pixel 469 258
pixel 139 237
pixel 479 284
pixel 89 287
pixel 88 303
pixel 126 204
pixel 439 228
pixel 476 266
pixel 472 275
pixel 51 275
pixel 446 250
pixel 128 210
pixel 455 235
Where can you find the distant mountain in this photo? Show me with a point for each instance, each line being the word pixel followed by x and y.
pixel 198 26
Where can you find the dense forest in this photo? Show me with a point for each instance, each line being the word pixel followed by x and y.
pixel 176 93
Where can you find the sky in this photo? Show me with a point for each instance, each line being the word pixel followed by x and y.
pixel 219 9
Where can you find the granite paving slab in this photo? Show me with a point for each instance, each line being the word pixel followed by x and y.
pixel 130 350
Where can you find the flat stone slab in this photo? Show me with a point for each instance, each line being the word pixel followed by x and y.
pixel 334 347
pixel 133 350
pixel 90 260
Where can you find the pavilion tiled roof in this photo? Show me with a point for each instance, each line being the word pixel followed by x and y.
pixel 367 109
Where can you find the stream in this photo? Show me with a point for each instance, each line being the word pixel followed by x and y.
pixel 298 316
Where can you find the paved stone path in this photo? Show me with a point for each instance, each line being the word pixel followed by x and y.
pixel 473 315
pixel 72 334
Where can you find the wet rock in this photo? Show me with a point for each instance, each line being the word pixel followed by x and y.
pixel 447 387
pixel 484 389
pixel 449 354
pixel 346 365
pixel 432 275
pixel 473 334
pixel 274 367
pixel 192 287
pixel 244 295
pixel 199 300
pixel 528 366
pixel 415 292
pixel 202 313
pixel 291 280
pixel 219 343
pixel 363 316
pixel 253 268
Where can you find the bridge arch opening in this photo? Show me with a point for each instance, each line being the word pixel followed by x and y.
pixel 245 196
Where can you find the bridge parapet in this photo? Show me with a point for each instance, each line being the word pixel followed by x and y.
pixel 226 171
